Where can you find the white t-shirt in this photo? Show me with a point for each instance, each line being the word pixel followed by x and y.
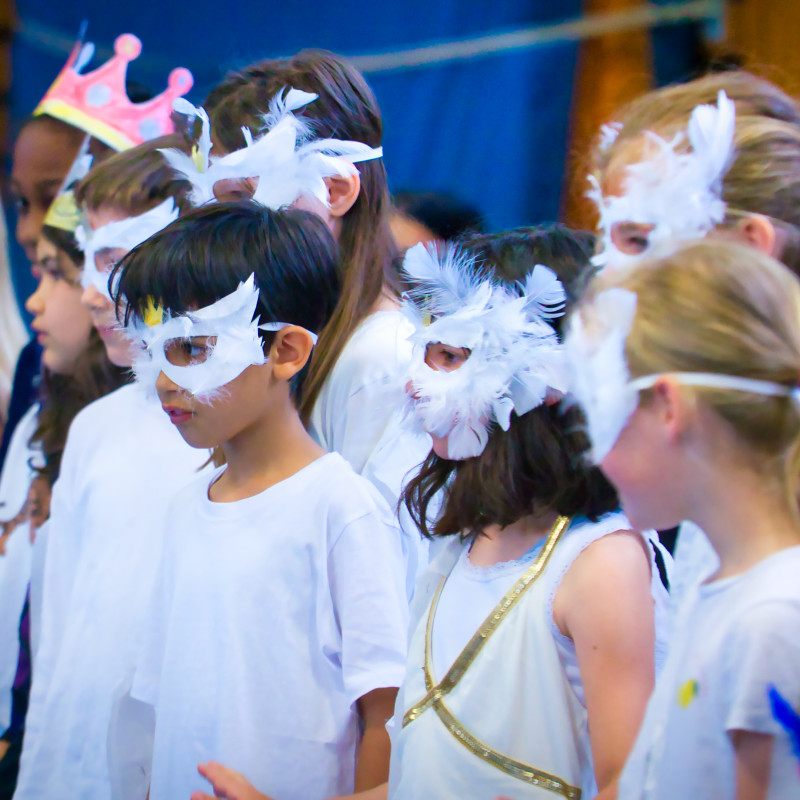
pixel 272 616
pixel 734 638
pixel 122 461
pixel 360 415
pixel 15 565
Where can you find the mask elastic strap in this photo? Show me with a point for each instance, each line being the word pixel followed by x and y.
pixel 713 380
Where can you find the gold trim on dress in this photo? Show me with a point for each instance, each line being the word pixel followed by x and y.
pixel 435 692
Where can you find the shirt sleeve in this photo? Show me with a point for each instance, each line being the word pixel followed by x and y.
pixel 367 577
pixel 764 652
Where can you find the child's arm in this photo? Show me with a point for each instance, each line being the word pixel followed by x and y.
pixel 230 784
pixel 372 764
pixel 604 604
pixel 753 764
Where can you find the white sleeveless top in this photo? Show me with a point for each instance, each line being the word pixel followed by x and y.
pixel 521 697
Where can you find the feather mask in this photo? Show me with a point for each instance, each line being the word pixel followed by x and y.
pixel 227 342
pixel 284 160
pixel 124 235
pixel 677 193
pixel 599 376
pixel 514 354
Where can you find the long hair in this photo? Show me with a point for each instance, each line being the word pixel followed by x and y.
pixel 345 109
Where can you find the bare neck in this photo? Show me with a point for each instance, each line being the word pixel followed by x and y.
pixel 267 452
pixel 745 516
pixel 512 542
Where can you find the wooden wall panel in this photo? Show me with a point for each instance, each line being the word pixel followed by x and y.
pixel 765 35
pixel 611 70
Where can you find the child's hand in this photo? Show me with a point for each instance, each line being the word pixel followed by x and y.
pixel 227 784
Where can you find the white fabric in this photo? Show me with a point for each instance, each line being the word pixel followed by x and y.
pixel 36 589
pixel 272 616
pixel 733 639
pixel 517 696
pixel 15 566
pixel 359 414
pixel 695 560
pixel 122 461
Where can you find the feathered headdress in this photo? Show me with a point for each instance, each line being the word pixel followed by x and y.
pixel 285 160
pixel 125 235
pixel 678 193
pixel 514 354
pixel 232 342
pixel 599 376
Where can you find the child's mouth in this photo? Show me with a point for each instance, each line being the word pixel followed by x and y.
pixel 176 415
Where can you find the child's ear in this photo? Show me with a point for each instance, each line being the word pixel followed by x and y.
pixel 290 351
pixel 342 193
pixel 675 409
pixel 759 232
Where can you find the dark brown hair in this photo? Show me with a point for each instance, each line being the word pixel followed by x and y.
pixel 135 180
pixel 537 465
pixel 345 109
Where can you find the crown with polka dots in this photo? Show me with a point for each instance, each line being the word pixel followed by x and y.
pixel 98 102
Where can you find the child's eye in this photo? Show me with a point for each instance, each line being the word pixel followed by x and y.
pixel 444 357
pixel 183 352
pixel 631 238
pixel 21 205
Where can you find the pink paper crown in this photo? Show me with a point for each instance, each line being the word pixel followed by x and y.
pixel 98 101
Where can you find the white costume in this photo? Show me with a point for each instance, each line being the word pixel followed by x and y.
pixel 359 414
pixel 736 637
pixel 122 461
pixel 521 697
pixel 695 560
pixel 15 565
pixel 273 615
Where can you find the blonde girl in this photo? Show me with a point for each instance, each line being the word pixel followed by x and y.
pixel 687 369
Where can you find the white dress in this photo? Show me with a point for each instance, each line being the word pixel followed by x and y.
pixel 15 565
pixel 734 639
pixel 521 697
pixel 272 617
pixel 122 461
pixel 360 415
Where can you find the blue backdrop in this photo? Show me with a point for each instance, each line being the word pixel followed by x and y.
pixel 492 129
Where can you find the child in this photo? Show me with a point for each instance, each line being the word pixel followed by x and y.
pixel 521 511
pixel 727 145
pixel 718 156
pixel 555 693
pixel 101 539
pixel 687 371
pixel 276 638
pixel 354 387
pixel 76 372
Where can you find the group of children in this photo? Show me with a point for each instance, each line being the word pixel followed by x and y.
pixel 297 515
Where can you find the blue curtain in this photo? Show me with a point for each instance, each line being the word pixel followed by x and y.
pixel 492 129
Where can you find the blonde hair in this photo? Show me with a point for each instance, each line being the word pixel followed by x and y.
pixel 764 177
pixel 724 308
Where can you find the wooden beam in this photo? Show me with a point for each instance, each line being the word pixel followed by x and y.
pixel 611 70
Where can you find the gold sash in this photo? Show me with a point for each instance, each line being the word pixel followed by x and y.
pixel 436 692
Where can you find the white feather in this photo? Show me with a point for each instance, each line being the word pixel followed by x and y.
pixel 544 293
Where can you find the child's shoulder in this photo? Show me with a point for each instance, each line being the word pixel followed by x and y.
pixel 106 410
pixel 773 580
pixel 339 487
pixel 378 346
